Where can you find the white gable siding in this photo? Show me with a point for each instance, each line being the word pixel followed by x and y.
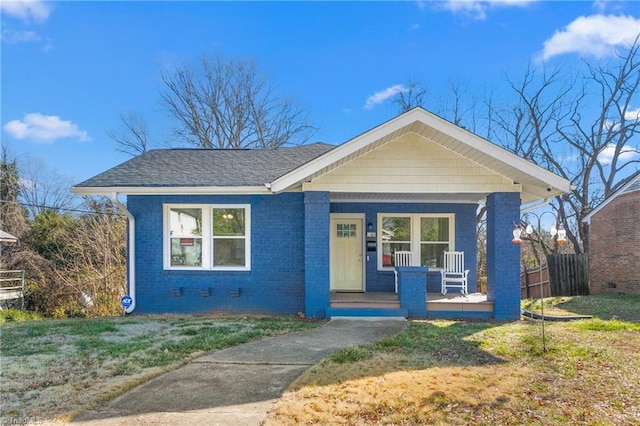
pixel 412 164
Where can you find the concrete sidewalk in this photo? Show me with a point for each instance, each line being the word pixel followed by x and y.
pixel 237 386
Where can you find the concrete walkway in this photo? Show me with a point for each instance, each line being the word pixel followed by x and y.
pixel 239 385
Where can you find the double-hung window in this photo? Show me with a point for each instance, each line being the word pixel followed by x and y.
pixel 204 236
pixel 427 236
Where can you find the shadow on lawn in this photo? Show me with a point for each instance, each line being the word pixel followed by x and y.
pixel 423 344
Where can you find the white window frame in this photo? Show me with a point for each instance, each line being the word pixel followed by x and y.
pixel 415 234
pixel 207 236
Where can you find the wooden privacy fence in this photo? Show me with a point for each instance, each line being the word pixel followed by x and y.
pixel 568 274
pixel 563 275
pixel 534 280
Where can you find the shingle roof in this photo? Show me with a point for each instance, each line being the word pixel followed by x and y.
pixel 206 167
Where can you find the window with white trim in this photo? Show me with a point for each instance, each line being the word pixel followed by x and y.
pixel 207 236
pixel 427 236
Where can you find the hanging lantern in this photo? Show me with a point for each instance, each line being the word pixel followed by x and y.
pixel 562 235
pixel 516 234
pixel 529 229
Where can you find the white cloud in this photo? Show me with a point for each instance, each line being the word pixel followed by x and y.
pixel 596 35
pixel 27 10
pixel 478 9
pixel 44 128
pixel 602 6
pixel 26 183
pixel 606 155
pixel 383 95
pixel 14 37
pixel 631 115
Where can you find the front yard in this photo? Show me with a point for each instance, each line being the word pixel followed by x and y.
pixel 435 372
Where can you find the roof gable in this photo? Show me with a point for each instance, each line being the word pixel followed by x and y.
pixel 632 184
pixel 411 164
pixel 537 183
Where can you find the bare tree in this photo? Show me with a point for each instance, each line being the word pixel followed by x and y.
pixel 226 104
pixel 42 188
pixel 414 96
pixel 133 138
pixel 582 128
pixel 13 217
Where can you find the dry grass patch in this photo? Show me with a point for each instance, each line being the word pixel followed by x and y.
pixel 409 397
pixel 482 373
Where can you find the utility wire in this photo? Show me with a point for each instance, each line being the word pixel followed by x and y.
pixel 41 206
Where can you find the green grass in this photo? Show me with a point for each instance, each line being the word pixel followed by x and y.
pixel 625 307
pixel 597 324
pixel 15 315
pixel 350 355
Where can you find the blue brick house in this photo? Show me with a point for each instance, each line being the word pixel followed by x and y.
pixel 292 230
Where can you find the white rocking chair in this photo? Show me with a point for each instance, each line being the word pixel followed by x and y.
pixel 453 274
pixel 401 258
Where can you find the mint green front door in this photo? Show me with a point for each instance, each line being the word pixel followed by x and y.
pixel 346 254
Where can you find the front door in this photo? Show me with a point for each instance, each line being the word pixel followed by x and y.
pixel 346 254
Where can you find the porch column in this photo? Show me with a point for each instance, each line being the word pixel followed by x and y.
pixel 317 296
pixel 503 257
pixel 412 290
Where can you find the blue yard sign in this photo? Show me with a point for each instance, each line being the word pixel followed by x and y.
pixel 126 301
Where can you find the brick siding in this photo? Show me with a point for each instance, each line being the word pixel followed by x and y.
pixel 614 246
pixel 503 257
pixel 274 285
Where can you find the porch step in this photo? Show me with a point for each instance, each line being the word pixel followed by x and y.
pixel 353 311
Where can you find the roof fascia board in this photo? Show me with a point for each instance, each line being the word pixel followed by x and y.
pixel 191 190
pixel 495 151
pixel 479 200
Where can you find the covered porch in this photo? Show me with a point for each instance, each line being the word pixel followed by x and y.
pixel 414 184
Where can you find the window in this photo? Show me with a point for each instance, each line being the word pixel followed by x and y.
pixel 434 240
pixel 207 237
pixel 346 230
pixel 428 236
pixel 396 236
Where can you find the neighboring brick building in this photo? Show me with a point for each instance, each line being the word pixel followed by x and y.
pixel 614 241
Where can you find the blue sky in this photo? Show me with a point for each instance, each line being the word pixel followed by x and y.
pixel 69 69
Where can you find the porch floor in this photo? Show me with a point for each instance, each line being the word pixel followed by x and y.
pixel 436 302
